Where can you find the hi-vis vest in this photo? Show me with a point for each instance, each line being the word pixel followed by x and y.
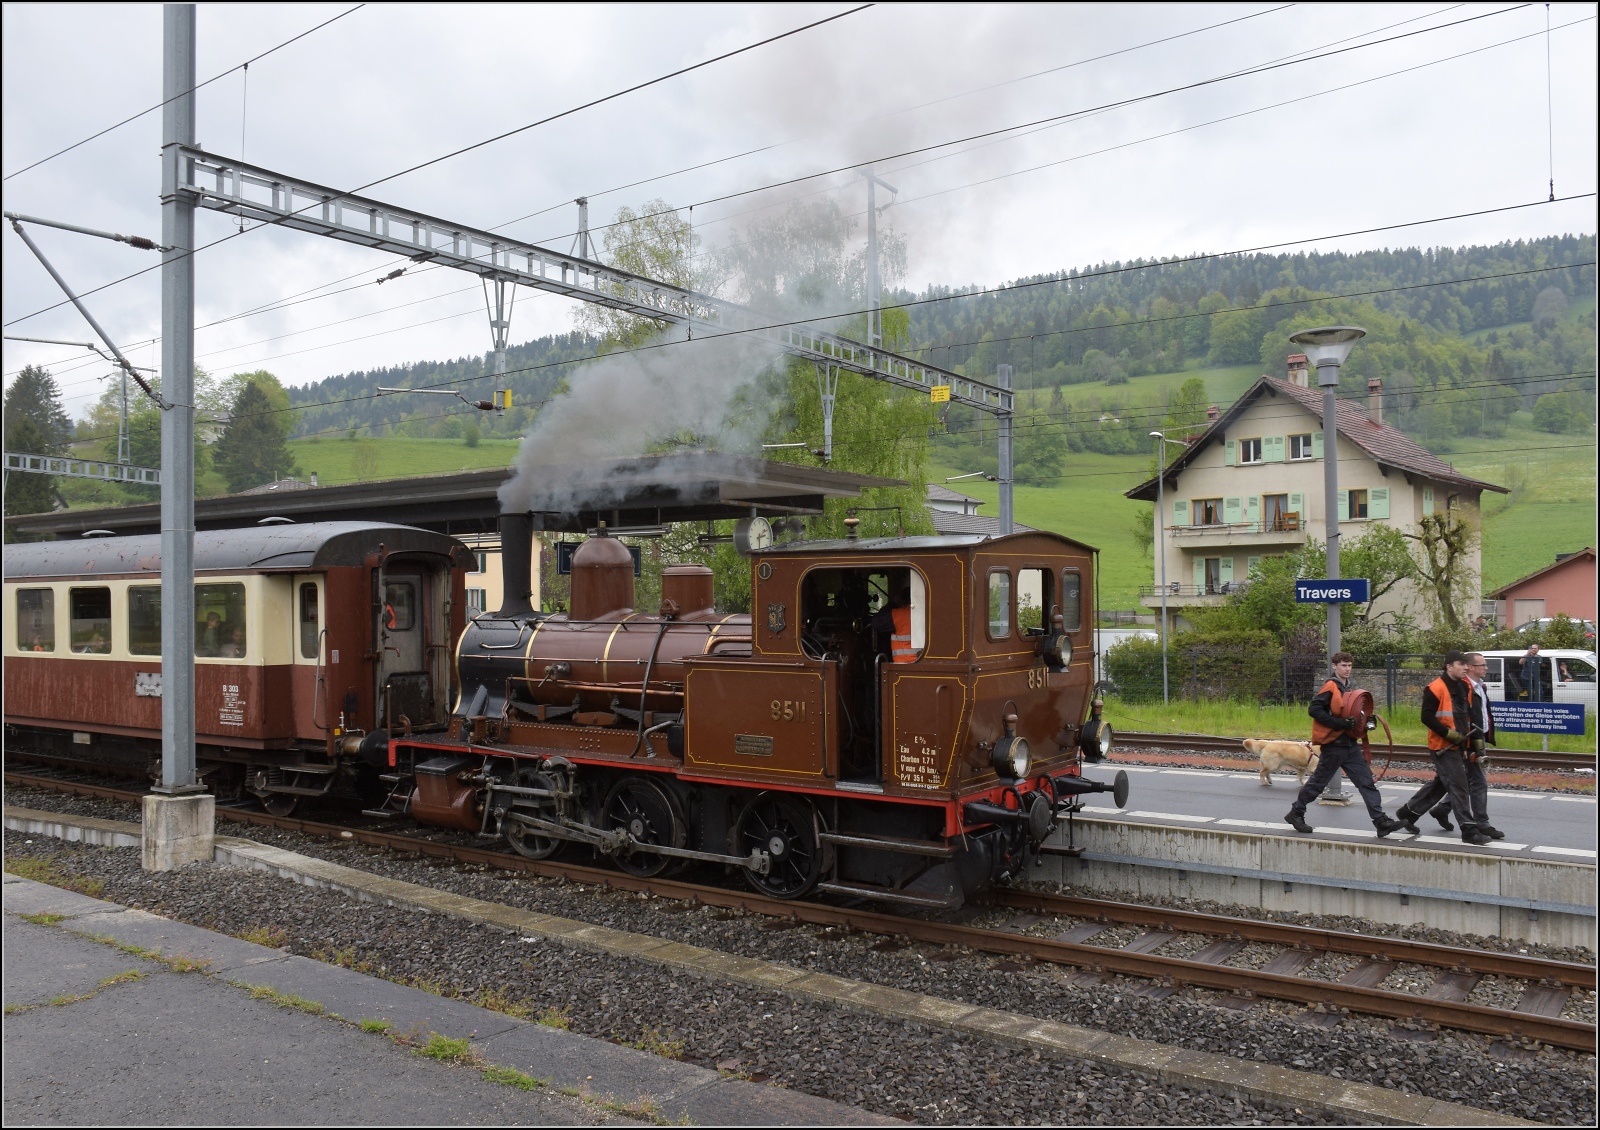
pixel 1446 712
pixel 1320 734
pixel 900 642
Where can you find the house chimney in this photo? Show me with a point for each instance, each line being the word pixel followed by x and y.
pixel 1299 373
pixel 1375 400
pixel 1212 412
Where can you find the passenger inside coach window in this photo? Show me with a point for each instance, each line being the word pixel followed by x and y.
pixel 208 640
pixel 234 648
pixel 97 645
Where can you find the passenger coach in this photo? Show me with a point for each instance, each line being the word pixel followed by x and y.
pixel 308 637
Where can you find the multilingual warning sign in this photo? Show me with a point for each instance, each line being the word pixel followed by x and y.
pixel 1538 717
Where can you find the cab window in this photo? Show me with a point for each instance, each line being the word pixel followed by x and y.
pixel 1033 600
pixel 144 619
pixel 90 620
pixel 999 604
pixel 219 621
pixel 1071 600
pixel 308 620
pixel 36 620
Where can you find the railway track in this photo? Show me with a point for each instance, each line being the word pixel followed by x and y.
pixel 1500 759
pixel 1547 984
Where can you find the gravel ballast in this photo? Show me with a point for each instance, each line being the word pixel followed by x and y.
pixel 1552 1086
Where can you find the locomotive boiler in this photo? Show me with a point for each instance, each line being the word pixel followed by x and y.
pixel 901 719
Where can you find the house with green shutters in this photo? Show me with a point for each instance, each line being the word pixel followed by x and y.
pixel 1251 486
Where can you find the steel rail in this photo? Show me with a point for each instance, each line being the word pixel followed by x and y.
pixel 1453 958
pixel 1499 758
pixel 1169 971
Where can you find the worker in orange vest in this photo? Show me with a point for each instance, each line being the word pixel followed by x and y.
pixel 896 620
pixel 1339 736
pixel 1453 713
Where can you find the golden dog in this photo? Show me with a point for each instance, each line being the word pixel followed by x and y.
pixel 1299 756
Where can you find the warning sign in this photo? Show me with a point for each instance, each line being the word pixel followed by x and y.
pixel 939 394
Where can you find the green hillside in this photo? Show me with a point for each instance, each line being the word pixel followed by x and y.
pixel 393 457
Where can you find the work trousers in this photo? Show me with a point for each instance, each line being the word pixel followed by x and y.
pixel 1462 781
pixel 1348 758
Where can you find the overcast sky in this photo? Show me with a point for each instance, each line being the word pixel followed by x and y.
pixel 385 88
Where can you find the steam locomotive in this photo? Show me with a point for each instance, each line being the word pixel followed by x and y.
pixel 901 719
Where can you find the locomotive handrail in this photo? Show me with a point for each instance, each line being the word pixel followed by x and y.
pixel 317 694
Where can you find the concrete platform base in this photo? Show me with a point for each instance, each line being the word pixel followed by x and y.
pixel 177 830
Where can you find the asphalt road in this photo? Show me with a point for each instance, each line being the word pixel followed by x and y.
pixel 188 1049
pixel 1551 826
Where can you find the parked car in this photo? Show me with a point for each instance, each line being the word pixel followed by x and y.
pixel 1546 621
pixel 1566 675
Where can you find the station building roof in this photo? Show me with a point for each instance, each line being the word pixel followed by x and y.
pixel 635 492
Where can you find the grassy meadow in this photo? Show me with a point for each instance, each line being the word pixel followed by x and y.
pixel 342 460
pixel 1248 719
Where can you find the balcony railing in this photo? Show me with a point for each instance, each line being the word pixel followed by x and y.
pixel 1283 524
pixel 1222 588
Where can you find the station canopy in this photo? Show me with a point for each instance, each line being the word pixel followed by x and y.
pixel 640 492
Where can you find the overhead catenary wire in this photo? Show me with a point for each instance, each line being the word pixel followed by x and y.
pixel 184 93
pixel 1262 69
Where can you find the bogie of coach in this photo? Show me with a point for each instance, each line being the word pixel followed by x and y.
pixel 902 719
pixel 306 638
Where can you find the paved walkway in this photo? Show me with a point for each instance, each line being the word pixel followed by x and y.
pixel 1547 826
pixel 187 1042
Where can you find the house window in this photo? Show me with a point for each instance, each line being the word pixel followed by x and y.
pixel 1208 512
pixel 480 563
pixel 1300 446
pixel 477 598
pixel 1249 451
pixel 1358 504
pixel 1275 513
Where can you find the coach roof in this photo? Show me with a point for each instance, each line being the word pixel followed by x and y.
pixel 287 546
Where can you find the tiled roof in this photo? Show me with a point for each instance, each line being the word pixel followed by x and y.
pixel 1385 443
pixel 939 493
pixel 947 522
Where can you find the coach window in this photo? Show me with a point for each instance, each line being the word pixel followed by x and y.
pixel 144 619
pixel 999 604
pixel 399 605
pixel 36 620
pixel 219 629
pixel 308 620
pixel 91 620
pixel 1071 600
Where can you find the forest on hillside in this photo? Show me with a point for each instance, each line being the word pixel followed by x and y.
pixel 1100 326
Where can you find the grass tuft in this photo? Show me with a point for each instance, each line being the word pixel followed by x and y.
pixel 657 1042
pixel 284 1000
pixel 42 918
pixel 556 1018
pixel 274 936
pixel 511 1077
pixel 380 1026
pixel 43 871
pixel 498 1000
pixel 127 976
pixel 446 1049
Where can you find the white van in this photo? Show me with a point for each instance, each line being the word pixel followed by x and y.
pixel 1566 674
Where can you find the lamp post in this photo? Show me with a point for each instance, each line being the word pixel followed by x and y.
pixel 1161 545
pixel 1327 348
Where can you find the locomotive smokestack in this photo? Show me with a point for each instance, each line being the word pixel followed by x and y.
pixel 516 565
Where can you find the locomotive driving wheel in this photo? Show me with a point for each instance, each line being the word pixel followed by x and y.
pixel 526 841
pixel 784 827
pixel 643 809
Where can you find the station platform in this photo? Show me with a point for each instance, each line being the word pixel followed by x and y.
pixel 118 1016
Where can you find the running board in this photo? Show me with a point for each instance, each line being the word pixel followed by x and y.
pixel 890 843
pixel 886 894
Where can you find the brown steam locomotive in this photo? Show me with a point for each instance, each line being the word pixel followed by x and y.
pixel 310 639
pixel 901 719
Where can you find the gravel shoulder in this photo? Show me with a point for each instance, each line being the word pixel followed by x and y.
pixel 924 1074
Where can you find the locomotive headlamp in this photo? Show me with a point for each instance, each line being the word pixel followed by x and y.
pixel 1012 757
pixel 1057 650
